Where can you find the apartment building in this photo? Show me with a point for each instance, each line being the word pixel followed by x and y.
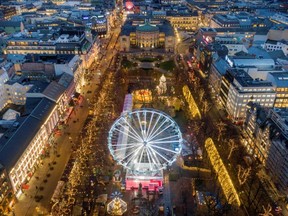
pixel 266 132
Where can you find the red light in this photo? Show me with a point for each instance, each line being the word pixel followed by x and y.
pixel 129 5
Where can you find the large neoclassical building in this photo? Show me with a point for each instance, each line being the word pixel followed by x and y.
pixel 147 35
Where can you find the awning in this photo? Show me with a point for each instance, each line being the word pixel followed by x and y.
pixel 25 186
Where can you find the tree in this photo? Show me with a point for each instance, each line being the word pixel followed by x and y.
pixel 243 174
pixel 267 212
pixel 221 127
pixel 197 126
pixel 206 106
pixel 233 146
pixel 196 83
pixel 201 94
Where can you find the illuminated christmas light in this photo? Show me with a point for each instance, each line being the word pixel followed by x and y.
pixel 223 176
pixel 129 5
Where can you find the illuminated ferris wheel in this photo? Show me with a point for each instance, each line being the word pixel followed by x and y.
pixel 145 140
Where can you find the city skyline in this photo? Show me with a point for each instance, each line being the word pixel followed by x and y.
pixel 144 107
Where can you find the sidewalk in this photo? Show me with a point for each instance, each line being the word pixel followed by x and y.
pixel 44 181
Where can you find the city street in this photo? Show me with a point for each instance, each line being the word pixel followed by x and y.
pixel 37 199
pixel 45 179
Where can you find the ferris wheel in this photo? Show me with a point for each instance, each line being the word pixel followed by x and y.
pixel 145 140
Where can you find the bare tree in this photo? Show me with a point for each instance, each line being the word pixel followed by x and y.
pixel 206 106
pixel 267 212
pixel 233 146
pixel 197 126
pixel 243 174
pixel 221 127
pixel 196 83
pixel 201 94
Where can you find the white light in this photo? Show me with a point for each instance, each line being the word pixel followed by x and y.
pixel 146 138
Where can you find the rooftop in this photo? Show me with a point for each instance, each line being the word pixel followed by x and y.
pixel 147 28
pixel 15 141
pixel 280 79
pixel 54 90
pixel 245 80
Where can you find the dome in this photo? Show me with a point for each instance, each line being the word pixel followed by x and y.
pixel 147 28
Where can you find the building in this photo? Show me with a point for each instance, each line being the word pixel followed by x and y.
pixel 280 18
pixel 100 24
pixel 278 33
pixel 48 105
pixel 185 21
pixel 12 92
pixel 271 45
pixel 238 20
pixel 276 162
pixel 170 2
pixel 3 93
pixel 257 68
pixel 147 36
pixel 218 70
pixel 266 132
pixel 6 12
pixel 244 89
pixel 233 44
pixel 205 54
pixel 11 27
pixel 35 70
pixel 280 83
pixel 65 41
pixel 73 67
pixel 31 133
pixel 255 118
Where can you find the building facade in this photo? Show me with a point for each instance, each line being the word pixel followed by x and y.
pixel 266 133
pixel 3 93
pixel 147 36
pixel 271 45
pixel 280 82
pixel 85 44
pixel 32 138
pixel 244 89
pixel 184 21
